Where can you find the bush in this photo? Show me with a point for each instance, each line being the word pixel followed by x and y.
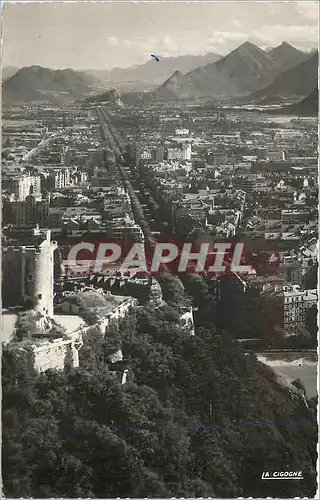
pixel 299 385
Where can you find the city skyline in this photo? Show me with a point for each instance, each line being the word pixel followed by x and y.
pixel 86 35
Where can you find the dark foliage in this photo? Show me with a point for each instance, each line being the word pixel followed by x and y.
pixel 196 418
pixel 312 323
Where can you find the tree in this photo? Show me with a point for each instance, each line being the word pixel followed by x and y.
pixel 197 416
pixel 299 385
pixel 312 323
pixel 172 290
pixel 311 276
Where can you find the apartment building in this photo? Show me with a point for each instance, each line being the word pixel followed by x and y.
pixel 124 229
pixel 244 183
pixel 23 185
pixel 292 217
pixel 30 212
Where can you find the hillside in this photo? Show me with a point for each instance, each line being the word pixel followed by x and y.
pixel 178 86
pixel 88 78
pixel 8 71
pixel 115 98
pixel 287 55
pixel 247 67
pixel 309 106
pixel 36 83
pixel 111 97
pixel 175 87
pixel 152 73
pixel 295 82
pixel 137 98
pixel 197 417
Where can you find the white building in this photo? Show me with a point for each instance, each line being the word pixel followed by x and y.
pixel 182 131
pixel 146 155
pixel 186 151
pixel 23 185
pixel 296 302
pixel 276 156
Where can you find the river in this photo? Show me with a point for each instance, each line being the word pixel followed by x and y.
pixel 294 365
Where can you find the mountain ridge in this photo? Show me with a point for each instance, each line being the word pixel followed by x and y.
pixel 298 81
pixel 288 55
pixel 247 73
pixel 8 71
pixel 245 68
pixel 35 83
pixel 151 72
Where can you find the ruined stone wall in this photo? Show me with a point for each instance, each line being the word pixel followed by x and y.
pixel 59 353
pixel 118 313
pixel 186 320
pixel 63 352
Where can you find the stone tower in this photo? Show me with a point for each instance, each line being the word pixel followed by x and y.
pixel 28 273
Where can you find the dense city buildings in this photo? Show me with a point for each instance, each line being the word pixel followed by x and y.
pixel 220 182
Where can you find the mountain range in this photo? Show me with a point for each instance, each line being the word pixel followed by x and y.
pixel 35 83
pixel 248 70
pixel 151 74
pixel 297 81
pixel 245 69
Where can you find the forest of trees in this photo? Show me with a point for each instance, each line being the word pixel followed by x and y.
pixel 247 315
pixel 197 417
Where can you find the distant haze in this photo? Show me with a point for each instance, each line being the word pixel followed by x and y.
pixel 105 35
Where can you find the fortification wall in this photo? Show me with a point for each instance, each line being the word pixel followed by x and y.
pixel 59 353
pixel 114 316
pixel 186 320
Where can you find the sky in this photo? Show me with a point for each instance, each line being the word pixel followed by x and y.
pixel 85 35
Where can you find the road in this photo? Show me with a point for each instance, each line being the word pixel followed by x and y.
pixel 110 134
pixel 42 145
